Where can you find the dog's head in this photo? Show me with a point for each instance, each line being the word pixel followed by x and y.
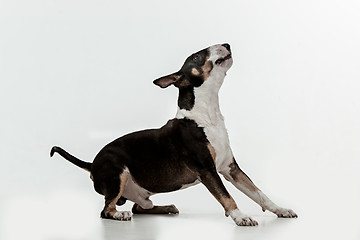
pixel 207 65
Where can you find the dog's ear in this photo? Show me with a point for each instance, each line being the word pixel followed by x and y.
pixel 166 81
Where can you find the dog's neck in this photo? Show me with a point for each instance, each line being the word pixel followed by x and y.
pixel 205 110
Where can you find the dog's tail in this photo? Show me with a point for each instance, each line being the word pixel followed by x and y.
pixel 84 165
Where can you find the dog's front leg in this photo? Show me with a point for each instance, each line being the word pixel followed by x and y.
pixel 240 180
pixel 214 184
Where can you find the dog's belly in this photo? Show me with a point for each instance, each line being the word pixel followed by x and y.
pixel 162 184
pixel 140 194
pixel 197 181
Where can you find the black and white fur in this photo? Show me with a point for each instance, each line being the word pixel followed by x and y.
pixel 192 148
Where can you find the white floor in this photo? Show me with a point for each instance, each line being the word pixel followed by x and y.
pixel 56 201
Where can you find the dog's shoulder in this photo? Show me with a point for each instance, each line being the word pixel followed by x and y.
pixel 180 124
pixel 184 128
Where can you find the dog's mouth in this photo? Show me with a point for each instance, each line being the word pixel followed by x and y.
pixel 221 60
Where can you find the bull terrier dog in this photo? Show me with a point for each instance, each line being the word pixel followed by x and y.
pixel 192 148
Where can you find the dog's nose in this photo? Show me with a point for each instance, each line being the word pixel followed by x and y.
pixel 227 46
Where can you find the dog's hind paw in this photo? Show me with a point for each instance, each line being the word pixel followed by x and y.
pixel 122 215
pixel 171 209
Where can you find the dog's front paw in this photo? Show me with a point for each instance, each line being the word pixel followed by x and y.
pixel 241 219
pixel 285 213
pixel 122 215
pixel 246 221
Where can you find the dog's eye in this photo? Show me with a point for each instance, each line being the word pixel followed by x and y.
pixel 196 57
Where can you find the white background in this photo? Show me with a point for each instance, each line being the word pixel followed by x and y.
pixel 79 74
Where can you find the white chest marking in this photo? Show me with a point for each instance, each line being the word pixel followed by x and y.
pixel 219 139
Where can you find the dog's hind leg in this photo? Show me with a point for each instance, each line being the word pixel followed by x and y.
pixel 241 181
pixel 112 196
pixel 170 209
pixel 121 201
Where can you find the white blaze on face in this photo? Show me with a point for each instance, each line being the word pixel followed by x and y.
pixel 218 51
pixel 213 83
